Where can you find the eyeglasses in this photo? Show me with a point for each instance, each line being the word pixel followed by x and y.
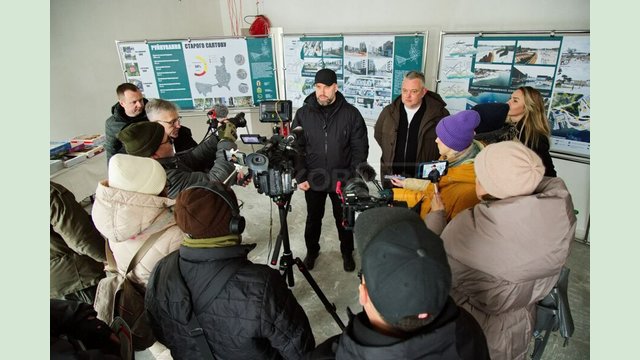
pixel 172 122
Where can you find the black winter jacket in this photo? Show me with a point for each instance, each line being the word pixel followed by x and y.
pixel 255 316
pixel 453 335
pixel 333 145
pixel 203 163
pixel 116 122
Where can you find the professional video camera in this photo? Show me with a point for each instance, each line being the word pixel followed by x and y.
pixel 217 126
pixel 356 197
pixel 272 167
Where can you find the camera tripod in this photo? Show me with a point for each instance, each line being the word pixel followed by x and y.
pixel 287 259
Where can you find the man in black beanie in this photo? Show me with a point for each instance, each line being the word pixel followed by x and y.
pixel 334 143
pixel 244 310
pixel 205 162
pixel 404 288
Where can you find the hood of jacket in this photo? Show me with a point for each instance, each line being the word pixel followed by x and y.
pixel 517 239
pixel 120 214
pixel 118 112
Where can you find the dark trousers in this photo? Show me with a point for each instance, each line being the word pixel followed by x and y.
pixel 315 212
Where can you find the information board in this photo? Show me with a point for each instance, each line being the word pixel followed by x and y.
pixel 370 67
pixel 196 74
pixel 479 68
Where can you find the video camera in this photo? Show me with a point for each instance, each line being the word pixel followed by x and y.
pixel 220 111
pixel 272 167
pixel 356 198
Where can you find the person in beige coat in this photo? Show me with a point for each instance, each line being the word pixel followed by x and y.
pixel 506 252
pixel 129 207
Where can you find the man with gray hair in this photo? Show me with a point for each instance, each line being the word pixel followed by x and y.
pixel 166 114
pixel 406 128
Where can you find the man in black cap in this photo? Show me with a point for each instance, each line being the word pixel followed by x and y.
pixel 244 310
pixel 404 288
pixel 149 139
pixel 334 143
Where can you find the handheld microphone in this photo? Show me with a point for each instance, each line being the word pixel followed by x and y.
pixel 367 173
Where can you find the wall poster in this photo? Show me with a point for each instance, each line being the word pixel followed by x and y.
pixel 370 67
pixel 196 74
pixel 479 69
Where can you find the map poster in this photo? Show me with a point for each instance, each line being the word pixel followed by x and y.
pixel 196 74
pixel 476 70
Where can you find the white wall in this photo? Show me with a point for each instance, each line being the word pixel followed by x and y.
pixel 85 69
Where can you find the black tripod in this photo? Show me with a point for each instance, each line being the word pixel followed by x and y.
pixel 287 259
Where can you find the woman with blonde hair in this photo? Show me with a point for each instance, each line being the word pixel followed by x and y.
pixel 527 112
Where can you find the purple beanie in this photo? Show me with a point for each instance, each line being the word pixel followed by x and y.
pixel 457 130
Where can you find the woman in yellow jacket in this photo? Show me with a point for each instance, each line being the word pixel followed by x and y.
pixel 457 188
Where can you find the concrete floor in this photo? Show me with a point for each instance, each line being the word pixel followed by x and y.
pixel 341 287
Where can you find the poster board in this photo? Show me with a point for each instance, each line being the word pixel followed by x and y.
pixel 369 66
pixel 195 74
pixel 478 68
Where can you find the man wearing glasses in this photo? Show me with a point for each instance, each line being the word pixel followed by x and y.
pixel 166 114
pixel 406 128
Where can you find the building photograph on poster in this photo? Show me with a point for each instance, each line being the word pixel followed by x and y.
pixel 486 69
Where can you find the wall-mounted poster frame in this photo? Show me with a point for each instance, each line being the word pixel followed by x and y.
pixel 195 74
pixel 369 66
pixel 481 67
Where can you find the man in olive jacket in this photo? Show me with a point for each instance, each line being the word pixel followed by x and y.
pixel 406 128
pixel 76 249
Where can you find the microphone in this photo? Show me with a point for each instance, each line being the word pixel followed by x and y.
pixel 366 172
pixel 219 111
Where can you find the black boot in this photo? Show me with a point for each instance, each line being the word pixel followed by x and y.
pixel 310 260
pixel 348 263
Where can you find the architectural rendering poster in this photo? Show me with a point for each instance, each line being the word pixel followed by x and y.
pixel 196 74
pixel 369 67
pixel 485 69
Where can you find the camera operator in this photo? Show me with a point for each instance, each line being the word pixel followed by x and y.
pixel 148 139
pixel 334 143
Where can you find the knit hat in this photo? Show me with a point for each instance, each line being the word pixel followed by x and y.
pixel 138 174
pixel 201 213
pixel 508 168
pixel 492 116
pixel 326 76
pixel 457 130
pixel 142 138
pixel 404 264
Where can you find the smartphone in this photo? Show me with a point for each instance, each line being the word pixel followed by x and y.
pixel 433 170
pixel 251 138
pixel 399 177
pixel 236 157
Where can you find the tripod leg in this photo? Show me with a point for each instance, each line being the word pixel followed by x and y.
pixel 276 250
pixel 286 262
pixel 331 308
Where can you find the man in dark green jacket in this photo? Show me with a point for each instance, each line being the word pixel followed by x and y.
pixel 77 250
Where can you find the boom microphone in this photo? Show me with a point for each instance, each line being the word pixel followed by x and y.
pixel 366 172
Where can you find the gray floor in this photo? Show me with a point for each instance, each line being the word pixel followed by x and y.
pixel 340 287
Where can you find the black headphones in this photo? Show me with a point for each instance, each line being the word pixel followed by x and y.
pixel 237 222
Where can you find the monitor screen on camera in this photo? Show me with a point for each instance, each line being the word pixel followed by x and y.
pixel 273 111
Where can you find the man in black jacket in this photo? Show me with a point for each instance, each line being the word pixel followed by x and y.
pixel 251 315
pixel 130 109
pixel 205 162
pixel 404 289
pixel 334 143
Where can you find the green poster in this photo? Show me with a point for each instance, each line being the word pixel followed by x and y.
pixel 171 73
pixel 262 69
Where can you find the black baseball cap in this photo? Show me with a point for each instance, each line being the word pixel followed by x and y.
pixel 326 76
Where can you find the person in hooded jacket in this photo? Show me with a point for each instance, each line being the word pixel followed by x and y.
pixel 406 128
pixel 404 290
pixel 506 252
pixel 334 144
pixel 129 207
pixel 245 310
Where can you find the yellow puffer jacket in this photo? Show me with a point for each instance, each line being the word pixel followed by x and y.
pixel 457 190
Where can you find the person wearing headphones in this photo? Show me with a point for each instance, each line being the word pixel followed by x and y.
pixel 208 298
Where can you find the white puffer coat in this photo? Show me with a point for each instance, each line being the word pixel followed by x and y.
pixel 127 219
